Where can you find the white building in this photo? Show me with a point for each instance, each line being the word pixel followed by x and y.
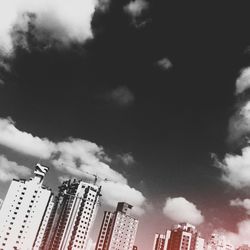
pixel 218 241
pixel 1 203
pixel 118 229
pixel 161 241
pixel 184 236
pixel 72 216
pixel 42 229
pixel 23 210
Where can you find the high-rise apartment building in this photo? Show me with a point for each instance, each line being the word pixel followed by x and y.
pixel 72 216
pixel 118 229
pixel 184 236
pixel 23 209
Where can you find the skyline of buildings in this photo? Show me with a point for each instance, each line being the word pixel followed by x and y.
pixel 185 236
pixel 33 218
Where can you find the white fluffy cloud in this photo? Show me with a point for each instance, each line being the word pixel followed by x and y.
pixel 24 142
pixel 122 96
pixel 241 203
pixel 10 170
pixel 63 20
pixel 74 157
pixel 243 81
pixel 164 64
pixel 114 192
pixel 242 236
pixel 239 123
pixel 79 157
pixel 179 210
pixel 236 169
pixel 135 8
pixel 127 158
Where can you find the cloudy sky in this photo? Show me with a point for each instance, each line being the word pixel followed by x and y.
pixel 152 96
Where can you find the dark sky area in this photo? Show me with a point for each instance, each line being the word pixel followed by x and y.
pixel 112 90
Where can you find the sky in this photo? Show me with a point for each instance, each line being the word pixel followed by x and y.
pixel 152 96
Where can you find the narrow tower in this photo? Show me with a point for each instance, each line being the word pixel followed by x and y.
pixel 118 229
pixel 23 211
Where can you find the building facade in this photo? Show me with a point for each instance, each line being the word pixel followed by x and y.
pixel 72 216
pixel 184 236
pixel 23 209
pixel 118 229
pixel 1 203
pixel 159 242
pixel 43 226
pixel 219 242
